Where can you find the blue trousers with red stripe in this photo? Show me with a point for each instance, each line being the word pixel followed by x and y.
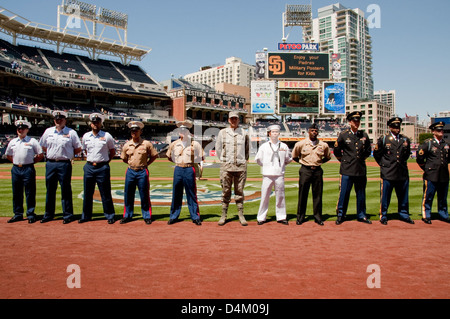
pixel 184 177
pixel 141 180
pixel 429 190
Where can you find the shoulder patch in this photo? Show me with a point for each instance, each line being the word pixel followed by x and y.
pixel 421 152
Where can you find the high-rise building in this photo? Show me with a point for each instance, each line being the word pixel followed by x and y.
pixel 346 32
pixel 234 71
pixel 386 97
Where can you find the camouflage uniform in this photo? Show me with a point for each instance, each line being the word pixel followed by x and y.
pixel 232 148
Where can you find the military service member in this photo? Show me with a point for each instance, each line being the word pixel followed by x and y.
pixel 232 149
pixel 138 154
pixel 433 157
pixel 61 144
pixel 352 148
pixel 100 150
pixel 184 153
pixel 391 153
pixel 23 151
pixel 311 153
pixel 273 156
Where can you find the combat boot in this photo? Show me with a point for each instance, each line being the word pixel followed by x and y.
pixel 223 218
pixel 241 214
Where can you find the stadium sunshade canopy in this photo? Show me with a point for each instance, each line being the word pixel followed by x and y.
pixel 17 26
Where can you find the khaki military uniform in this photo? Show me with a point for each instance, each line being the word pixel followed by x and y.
pixel 184 154
pixel 233 149
pixel 137 156
pixel 311 156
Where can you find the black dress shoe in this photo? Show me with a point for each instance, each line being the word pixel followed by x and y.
pixel 31 220
pixel 46 219
pixel 16 218
pixel 364 220
pixel 126 220
pixel 83 220
pixel 111 221
pixel 383 221
pixel 445 220
pixel 339 221
pixel 319 222
pixel 426 220
pixel 284 222
pixel 260 223
pixel 197 222
pixel 171 221
pixel 68 220
pixel 409 221
pixel 148 221
pixel 299 222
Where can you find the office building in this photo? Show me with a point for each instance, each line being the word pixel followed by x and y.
pixel 234 71
pixel 386 97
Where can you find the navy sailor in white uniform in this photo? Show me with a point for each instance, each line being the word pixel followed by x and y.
pixel 23 151
pixel 61 144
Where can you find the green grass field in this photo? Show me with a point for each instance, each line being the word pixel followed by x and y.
pixel 164 169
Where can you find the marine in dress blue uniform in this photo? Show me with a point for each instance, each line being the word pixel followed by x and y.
pixel 391 153
pixel 352 148
pixel 23 151
pixel 138 154
pixel 100 150
pixel 433 157
pixel 61 144
pixel 185 153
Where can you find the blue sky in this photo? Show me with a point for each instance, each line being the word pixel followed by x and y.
pixel 410 49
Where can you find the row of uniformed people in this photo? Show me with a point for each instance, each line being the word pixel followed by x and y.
pixel 351 149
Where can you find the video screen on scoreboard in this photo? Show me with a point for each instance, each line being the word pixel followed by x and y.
pixel 298 101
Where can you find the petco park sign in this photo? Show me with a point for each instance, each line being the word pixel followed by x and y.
pixel 298 46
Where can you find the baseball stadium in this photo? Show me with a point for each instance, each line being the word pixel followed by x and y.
pixel 272 261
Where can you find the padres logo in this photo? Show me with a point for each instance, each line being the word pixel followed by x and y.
pixel 277 65
pixel 163 196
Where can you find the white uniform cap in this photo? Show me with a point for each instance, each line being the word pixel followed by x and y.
pixel 59 114
pixel 184 124
pixel 22 123
pixel 273 128
pixel 96 116
pixel 136 124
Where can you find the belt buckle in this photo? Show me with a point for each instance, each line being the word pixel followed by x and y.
pixel 94 164
pixel 20 165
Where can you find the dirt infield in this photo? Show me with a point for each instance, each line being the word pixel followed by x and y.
pixel 271 261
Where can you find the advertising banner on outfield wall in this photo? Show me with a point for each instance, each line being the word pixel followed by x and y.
pixel 263 97
pixel 334 97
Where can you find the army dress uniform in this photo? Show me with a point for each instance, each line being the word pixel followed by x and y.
pixel 60 147
pixel 352 149
pixel 23 152
pixel 311 156
pixel 433 157
pixel 97 171
pixel 391 153
pixel 137 155
pixel 184 153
